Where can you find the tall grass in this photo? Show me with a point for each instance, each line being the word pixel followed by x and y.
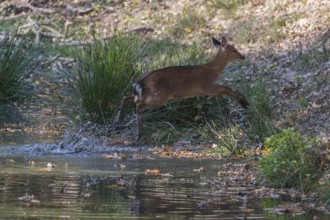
pixel 260 114
pixel 103 75
pixel 17 62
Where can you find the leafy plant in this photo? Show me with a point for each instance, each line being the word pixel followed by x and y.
pixel 292 161
pixel 103 75
pixel 17 62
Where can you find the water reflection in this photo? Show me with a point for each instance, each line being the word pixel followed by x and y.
pixel 98 188
pixel 95 186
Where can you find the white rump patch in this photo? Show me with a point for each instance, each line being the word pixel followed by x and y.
pixel 137 91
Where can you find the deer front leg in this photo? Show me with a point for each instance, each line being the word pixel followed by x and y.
pixel 140 108
pixel 119 117
pixel 224 90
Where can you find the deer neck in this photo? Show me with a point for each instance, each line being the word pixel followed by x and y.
pixel 219 62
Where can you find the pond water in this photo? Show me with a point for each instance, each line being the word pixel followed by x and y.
pixel 90 186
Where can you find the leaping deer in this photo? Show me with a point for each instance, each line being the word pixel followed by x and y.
pixel 156 88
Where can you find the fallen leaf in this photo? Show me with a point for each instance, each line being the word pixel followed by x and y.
pixel 152 172
pixel 44 170
pixel 112 186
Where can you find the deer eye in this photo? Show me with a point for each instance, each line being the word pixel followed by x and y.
pixel 235 51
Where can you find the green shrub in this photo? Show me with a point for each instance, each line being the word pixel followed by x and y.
pixel 292 161
pixel 17 62
pixel 103 75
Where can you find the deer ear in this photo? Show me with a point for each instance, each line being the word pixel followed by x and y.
pixel 216 43
pixel 224 42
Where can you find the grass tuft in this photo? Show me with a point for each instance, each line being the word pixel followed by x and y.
pixel 17 62
pixel 260 113
pixel 104 73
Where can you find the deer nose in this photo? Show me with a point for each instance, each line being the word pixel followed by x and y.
pixel 242 57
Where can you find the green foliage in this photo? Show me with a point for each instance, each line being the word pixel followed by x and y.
pixel 17 62
pixel 292 161
pixel 103 75
pixel 260 112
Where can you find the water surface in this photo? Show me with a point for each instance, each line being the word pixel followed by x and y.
pixel 90 186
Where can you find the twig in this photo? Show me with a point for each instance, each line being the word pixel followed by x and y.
pixel 13 17
pixel 42 10
pixel 231 153
pixel 79 10
pixel 50 60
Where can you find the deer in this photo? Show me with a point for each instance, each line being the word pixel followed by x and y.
pixel 157 87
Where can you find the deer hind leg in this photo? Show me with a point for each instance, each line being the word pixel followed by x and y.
pixel 224 90
pixel 119 117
